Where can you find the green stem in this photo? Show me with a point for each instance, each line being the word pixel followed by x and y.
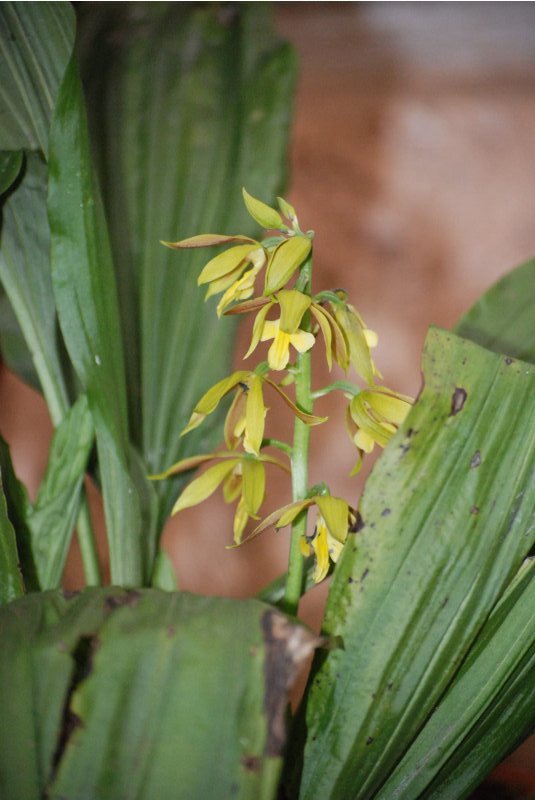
pixel 296 574
pixel 343 386
pixel 86 540
pixel 282 446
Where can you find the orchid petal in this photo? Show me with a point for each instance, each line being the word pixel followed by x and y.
pixel 286 258
pixel 221 284
pixel 254 485
pixel 258 328
pixel 302 341
pixel 225 262
pixel 287 513
pixel 279 352
pixel 335 512
pixel 235 420
pixel 201 488
pixel 211 399
pixel 207 240
pixel 321 551
pixel 393 407
pixel 248 306
pixel 309 419
pixel 255 413
pixel 293 305
pixel 240 521
pixel 326 331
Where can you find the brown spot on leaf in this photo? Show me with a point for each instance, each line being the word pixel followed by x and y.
pixel 252 763
pixel 474 510
pixel 369 740
pixel 385 512
pixel 130 598
pixel 288 645
pixel 170 630
pixel 458 400
pixel 508 360
pixel 476 460
pixel 69 594
pixel 364 575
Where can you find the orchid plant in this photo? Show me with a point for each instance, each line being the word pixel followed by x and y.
pixel 423 677
pixel 374 412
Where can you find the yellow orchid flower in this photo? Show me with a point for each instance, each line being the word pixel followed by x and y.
pixel 285 331
pixel 243 288
pixel 245 420
pixel 243 478
pixel 334 519
pixel 373 416
pixel 233 272
pixel 360 339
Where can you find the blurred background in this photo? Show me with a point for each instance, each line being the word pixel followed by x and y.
pixel 413 159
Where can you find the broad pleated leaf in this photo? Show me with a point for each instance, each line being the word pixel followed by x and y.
pixel 488 710
pixel 445 524
pixel 11 585
pixel 52 517
pixel 197 98
pixel 144 694
pixel 490 707
pixel 86 301
pixel 503 319
pixel 36 41
pixel 44 647
pixel 25 275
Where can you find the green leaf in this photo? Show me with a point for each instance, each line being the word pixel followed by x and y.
pixel 25 274
pixel 10 164
pixel 164 575
pixel 52 517
pixel 144 694
pixel 445 526
pixel 11 585
pixel 45 640
pixel 18 507
pixel 13 347
pixel 86 301
pixel 487 711
pixel 192 94
pixel 36 41
pixel 502 320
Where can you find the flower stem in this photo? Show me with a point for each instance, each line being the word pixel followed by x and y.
pixel 303 398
